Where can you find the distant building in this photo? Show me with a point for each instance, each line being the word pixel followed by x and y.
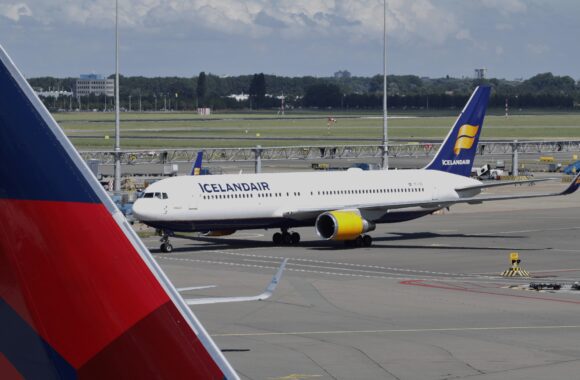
pixel 342 74
pixel 239 97
pixel 52 93
pixel 94 84
pixel 480 73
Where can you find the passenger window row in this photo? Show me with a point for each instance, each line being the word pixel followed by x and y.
pixel 373 191
pixel 322 192
pixel 244 195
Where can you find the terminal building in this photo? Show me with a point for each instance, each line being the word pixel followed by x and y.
pixel 94 84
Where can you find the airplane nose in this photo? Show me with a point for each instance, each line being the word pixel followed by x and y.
pixel 140 210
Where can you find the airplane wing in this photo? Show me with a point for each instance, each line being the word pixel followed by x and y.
pixel 260 297
pixel 435 204
pixel 188 289
pixel 487 185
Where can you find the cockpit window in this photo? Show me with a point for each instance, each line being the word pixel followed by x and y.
pixel 155 195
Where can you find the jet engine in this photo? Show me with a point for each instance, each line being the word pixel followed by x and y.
pixel 342 225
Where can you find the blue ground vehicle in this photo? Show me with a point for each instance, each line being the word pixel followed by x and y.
pixel 572 168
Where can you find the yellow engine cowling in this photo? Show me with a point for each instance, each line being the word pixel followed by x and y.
pixel 342 225
pixel 219 233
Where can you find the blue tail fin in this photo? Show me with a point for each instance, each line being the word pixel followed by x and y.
pixel 196 169
pixel 457 152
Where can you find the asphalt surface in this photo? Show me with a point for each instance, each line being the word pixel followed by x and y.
pixel 424 302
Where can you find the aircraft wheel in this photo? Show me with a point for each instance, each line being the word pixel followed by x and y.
pixel 277 238
pixel 168 248
pixel 295 237
pixel 287 239
pixel 367 240
pixel 358 242
pixel 163 247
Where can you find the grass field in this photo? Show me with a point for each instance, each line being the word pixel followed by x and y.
pixel 187 130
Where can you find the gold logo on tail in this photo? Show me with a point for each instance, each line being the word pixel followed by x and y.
pixel 465 137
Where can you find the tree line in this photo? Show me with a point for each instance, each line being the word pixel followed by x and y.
pixel 340 92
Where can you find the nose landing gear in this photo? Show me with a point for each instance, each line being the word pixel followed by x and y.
pixel 166 246
pixel 286 238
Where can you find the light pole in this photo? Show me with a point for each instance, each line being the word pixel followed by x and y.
pixel 129 103
pixel 117 183
pixel 385 147
pixel 155 100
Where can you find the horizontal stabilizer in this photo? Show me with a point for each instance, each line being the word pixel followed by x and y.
pixel 260 297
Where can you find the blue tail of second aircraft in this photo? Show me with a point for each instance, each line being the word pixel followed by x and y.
pixel 196 169
pixel 457 152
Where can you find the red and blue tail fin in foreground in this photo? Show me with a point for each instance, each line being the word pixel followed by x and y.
pixel 457 152
pixel 80 295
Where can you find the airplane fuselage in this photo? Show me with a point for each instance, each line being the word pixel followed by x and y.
pixel 251 201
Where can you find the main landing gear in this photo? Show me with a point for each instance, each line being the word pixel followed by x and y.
pixel 286 238
pixel 166 246
pixel 360 241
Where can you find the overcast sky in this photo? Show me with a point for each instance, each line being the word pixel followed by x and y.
pixel 511 38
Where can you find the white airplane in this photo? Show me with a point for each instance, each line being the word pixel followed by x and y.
pixel 340 205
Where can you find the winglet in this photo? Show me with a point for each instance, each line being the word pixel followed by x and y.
pixel 260 297
pixel 574 185
pixel 275 280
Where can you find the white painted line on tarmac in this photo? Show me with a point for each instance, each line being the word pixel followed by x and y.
pixel 368 274
pixel 243 234
pixel 392 331
pixel 526 231
pixel 392 276
pixel 323 262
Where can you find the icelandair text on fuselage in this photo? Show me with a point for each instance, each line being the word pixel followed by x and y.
pixel 233 187
pixel 455 162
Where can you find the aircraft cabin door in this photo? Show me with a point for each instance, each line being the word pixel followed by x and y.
pixel 434 193
pixel 193 201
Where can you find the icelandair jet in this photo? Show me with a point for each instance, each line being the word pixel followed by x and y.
pixel 340 205
pixel 196 168
pixel 80 295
